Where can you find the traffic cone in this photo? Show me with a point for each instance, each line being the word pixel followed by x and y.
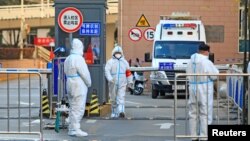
pixel 45 104
pixel 94 105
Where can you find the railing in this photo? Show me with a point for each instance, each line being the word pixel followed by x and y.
pixel 227 110
pixel 42 10
pixel 29 11
pixel 21 103
pixel 220 67
pixel 235 88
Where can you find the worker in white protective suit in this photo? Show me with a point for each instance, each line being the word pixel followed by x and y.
pixel 78 81
pixel 118 74
pixel 201 92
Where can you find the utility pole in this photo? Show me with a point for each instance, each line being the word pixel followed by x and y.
pixel 245 80
pixel 248 49
pixel 21 30
pixel 246 96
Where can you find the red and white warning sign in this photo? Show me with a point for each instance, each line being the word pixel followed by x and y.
pixel 70 19
pixel 149 34
pixel 135 34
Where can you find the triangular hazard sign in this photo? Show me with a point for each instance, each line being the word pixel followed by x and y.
pixel 142 22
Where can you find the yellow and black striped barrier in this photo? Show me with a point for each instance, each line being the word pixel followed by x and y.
pixel 45 104
pixel 94 105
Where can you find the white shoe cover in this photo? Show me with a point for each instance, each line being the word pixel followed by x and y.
pixel 78 133
pixel 67 120
pixel 114 115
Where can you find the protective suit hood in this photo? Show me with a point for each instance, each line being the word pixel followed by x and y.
pixel 77 47
pixel 117 49
pixel 198 58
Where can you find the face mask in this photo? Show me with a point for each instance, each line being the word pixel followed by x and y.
pixel 118 56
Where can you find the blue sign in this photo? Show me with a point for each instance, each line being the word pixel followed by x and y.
pixel 90 29
pixel 166 66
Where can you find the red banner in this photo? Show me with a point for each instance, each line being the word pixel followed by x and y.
pixel 43 41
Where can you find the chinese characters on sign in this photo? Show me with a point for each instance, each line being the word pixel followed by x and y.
pixel 43 41
pixel 166 66
pixel 90 29
pixel 70 19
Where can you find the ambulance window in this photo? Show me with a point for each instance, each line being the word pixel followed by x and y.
pixel 170 33
pixel 158 46
pixel 175 49
pixel 190 33
pixel 179 33
pixel 160 50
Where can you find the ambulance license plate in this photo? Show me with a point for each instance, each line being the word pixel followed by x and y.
pixel 179 87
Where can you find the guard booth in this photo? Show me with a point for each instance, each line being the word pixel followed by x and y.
pixel 91 31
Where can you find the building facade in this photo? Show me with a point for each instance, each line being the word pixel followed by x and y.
pixel 220 17
pixel 41 20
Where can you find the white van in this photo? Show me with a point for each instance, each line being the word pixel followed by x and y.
pixel 176 38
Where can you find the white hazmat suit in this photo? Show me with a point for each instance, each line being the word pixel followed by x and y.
pixel 78 81
pixel 115 72
pixel 200 92
pixel 248 67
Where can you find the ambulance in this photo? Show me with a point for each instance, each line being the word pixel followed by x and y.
pixel 176 38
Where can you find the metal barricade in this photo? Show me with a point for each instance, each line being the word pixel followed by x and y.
pixel 235 88
pixel 21 105
pixel 226 111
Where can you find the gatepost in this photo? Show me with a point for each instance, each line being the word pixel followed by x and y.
pixel 92 32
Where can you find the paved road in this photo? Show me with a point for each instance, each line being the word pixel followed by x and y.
pixel 146 119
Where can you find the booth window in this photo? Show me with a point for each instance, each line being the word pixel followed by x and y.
pixel 92 50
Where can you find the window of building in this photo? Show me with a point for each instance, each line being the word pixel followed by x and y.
pixel 31 36
pixel 242 30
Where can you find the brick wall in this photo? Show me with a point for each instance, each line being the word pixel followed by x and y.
pixel 212 12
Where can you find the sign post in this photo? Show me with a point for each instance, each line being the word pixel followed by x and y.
pixel 70 20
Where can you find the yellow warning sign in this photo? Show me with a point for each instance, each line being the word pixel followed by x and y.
pixel 142 22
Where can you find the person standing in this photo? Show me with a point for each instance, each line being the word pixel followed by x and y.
pixel 96 53
pixel 118 74
pixel 201 92
pixel 78 81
